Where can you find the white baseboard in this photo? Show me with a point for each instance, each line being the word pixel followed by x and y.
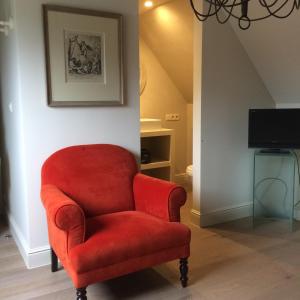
pixel 18 237
pixel 33 257
pixel 225 215
pixel 39 257
pixel 195 217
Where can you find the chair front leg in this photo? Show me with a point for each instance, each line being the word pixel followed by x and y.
pixel 81 294
pixel 54 261
pixel 183 271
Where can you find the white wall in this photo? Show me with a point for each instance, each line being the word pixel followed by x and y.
pixel 189 133
pixel 197 115
pixel 12 133
pixel 273 46
pixel 161 97
pixel 48 129
pixel 287 105
pixel 230 86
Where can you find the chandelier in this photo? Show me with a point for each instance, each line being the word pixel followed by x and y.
pixel 239 9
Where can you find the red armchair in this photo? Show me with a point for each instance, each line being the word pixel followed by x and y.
pixel 105 219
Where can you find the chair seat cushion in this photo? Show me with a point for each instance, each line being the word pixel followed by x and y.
pixel 117 237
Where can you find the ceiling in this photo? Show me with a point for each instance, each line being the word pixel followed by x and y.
pixel 273 46
pixel 143 9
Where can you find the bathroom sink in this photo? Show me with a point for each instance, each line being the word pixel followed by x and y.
pixel 150 124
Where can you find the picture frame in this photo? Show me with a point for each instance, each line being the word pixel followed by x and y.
pixel 84 57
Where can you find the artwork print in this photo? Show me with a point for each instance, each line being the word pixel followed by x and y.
pixel 83 55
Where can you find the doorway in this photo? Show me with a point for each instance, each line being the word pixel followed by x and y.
pixel 166 92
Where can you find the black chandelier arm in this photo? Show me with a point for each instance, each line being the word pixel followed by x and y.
pixel 263 3
pixel 265 17
pixel 229 5
pixel 218 6
pixel 242 2
pixel 203 17
pixel 232 14
pixel 215 7
pixel 278 9
pixel 228 15
pixel 198 14
pixel 244 10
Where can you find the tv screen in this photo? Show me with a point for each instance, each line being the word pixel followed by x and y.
pixel 274 128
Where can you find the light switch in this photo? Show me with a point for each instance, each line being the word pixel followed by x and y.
pixel 10 107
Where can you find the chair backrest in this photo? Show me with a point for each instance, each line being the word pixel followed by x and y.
pixel 98 177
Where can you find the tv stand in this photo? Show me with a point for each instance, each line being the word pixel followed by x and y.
pixel 275 151
pixel 274 182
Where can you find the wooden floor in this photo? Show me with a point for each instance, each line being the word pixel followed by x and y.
pixel 230 261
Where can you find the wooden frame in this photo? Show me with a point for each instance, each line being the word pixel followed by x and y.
pixel 94 76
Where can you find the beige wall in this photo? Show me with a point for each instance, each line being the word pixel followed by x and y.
pixel 166 52
pixel 161 97
pixel 189 133
pixel 168 31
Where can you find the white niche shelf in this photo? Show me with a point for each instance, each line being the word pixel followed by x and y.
pixel 160 143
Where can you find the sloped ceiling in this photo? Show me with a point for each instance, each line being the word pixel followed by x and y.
pixel 156 3
pixel 168 31
pixel 273 45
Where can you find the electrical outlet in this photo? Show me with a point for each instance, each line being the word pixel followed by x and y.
pixel 176 117
pixel 172 117
pixel 168 117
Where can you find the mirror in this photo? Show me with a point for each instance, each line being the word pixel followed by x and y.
pixel 143 77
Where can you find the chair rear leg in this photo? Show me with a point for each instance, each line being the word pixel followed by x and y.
pixel 81 294
pixel 54 261
pixel 183 271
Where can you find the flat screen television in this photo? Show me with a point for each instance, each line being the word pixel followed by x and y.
pixel 274 128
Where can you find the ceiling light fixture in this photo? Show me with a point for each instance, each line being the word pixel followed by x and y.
pixel 238 9
pixel 148 4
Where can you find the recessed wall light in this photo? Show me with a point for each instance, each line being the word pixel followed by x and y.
pixel 148 4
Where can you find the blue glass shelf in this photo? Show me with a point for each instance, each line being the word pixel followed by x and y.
pixel 274 187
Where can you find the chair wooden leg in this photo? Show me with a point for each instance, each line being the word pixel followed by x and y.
pixel 184 271
pixel 54 261
pixel 81 294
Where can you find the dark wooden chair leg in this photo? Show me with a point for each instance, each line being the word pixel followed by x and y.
pixel 54 261
pixel 184 271
pixel 81 294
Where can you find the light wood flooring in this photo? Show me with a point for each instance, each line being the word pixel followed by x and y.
pixel 230 261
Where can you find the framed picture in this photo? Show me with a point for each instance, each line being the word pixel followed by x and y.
pixel 83 57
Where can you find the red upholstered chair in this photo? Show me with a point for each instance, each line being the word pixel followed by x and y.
pixel 105 219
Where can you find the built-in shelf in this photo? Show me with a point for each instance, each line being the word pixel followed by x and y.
pixel 156 164
pixel 156 132
pixel 160 144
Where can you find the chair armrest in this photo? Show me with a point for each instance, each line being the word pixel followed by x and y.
pixel 63 214
pixel 157 197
